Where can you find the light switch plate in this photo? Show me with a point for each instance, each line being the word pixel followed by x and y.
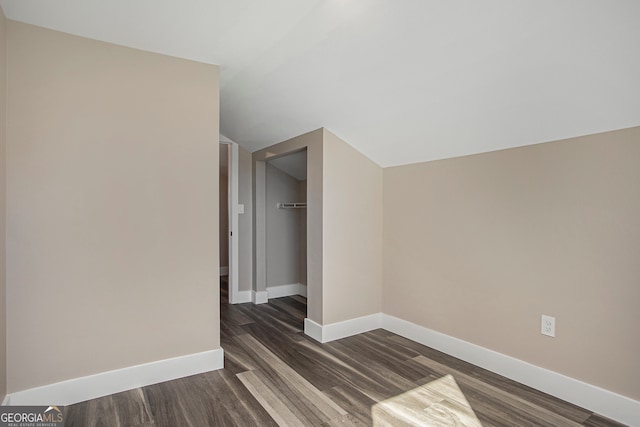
pixel 240 209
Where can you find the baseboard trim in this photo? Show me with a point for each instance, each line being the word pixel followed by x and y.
pixel 599 400
pixel 313 329
pixel 286 290
pixel 259 297
pixel 110 382
pixel 224 271
pixel 604 402
pixel 338 330
pixel 241 297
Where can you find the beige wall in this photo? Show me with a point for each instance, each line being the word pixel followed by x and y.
pixel 313 142
pixel 282 229
pixel 479 247
pixel 112 207
pixel 245 221
pixel 3 206
pixel 352 232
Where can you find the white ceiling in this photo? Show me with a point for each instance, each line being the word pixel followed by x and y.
pixel 402 81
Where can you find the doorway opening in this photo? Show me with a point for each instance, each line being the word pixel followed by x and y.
pixel 281 227
pixel 286 225
pixel 228 215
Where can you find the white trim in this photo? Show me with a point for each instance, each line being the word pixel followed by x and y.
pixel 244 296
pixel 232 203
pixel 604 402
pixel 259 297
pixel 286 290
pixel 338 330
pixel 234 254
pixel 260 224
pixel 313 329
pixel 347 328
pixel 302 290
pixel 601 401
pixel 106 383
pixel 6 401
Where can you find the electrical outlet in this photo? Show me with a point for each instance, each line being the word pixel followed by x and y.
pixel 548 326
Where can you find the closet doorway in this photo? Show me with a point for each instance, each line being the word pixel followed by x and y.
pixel 311 144
pixel 285 221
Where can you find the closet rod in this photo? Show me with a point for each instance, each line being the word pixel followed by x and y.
pixel 292 205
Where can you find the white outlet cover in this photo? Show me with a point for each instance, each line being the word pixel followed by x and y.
pixel 548 325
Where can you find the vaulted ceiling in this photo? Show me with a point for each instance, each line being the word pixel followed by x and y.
pixel 402 81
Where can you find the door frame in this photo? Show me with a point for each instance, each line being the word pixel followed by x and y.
pixel 232 191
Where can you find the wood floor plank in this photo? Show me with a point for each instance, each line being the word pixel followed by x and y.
pixel 93 413
pixel 129 408
pixel 388 359
pixel 353 401
pixel 292 378
pixel 438 402
pixel 372 378
pixel 270 314
pixel 234 353
pixel 180 402
pixel 346 371
pixel 518 404
pixel 292 307
pixel 242 407
pixel 566 409
pixel 294 356
pixel 133 408
pixel 345 421
pixel 276 408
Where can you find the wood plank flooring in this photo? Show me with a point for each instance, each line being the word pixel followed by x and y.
pixel 276 375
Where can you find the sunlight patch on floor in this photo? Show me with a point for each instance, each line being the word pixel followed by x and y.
pixel 438 403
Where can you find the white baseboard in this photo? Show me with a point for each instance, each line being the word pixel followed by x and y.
pixel 601 401
pixel 105 383
pixel 241 297
pixel 286 290
pixel 224 271
pixel 313 329
pixel 338 330
pixel 260 297
pixel 593 398
pixel 263 297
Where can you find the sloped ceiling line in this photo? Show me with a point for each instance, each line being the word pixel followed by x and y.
pixel 401 81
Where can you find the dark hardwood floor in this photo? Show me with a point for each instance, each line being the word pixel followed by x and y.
pixel 276 375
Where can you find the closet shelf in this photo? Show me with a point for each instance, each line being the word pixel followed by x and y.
pixel 292 205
